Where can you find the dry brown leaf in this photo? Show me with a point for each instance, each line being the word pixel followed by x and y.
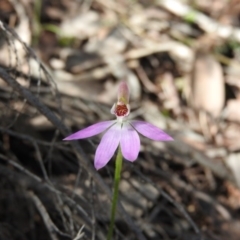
pixel 114 42
pixel 233 162
pixel 170 94
pixel 231 137
pixel 232 110
pixel 207 86
pixel 81 26
pixel 23 30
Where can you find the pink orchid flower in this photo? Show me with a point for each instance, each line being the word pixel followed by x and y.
pixel 120 131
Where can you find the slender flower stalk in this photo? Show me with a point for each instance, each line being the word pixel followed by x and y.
pixel 117 177
pixel 122 134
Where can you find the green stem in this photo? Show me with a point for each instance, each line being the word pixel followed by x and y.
pixel 117 176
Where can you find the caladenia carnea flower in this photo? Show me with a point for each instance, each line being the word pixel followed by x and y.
pixel 120 131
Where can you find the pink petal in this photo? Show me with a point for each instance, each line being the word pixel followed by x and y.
pixel 91 130
pixel 107 146
pixel 150 131
pixel 130 142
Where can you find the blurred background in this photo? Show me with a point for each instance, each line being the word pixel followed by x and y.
pixel 60 66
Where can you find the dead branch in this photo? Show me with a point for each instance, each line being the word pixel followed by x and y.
pixel 84 161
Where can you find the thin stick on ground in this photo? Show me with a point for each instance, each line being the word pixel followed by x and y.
pixel 170 199
pixel 51 227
